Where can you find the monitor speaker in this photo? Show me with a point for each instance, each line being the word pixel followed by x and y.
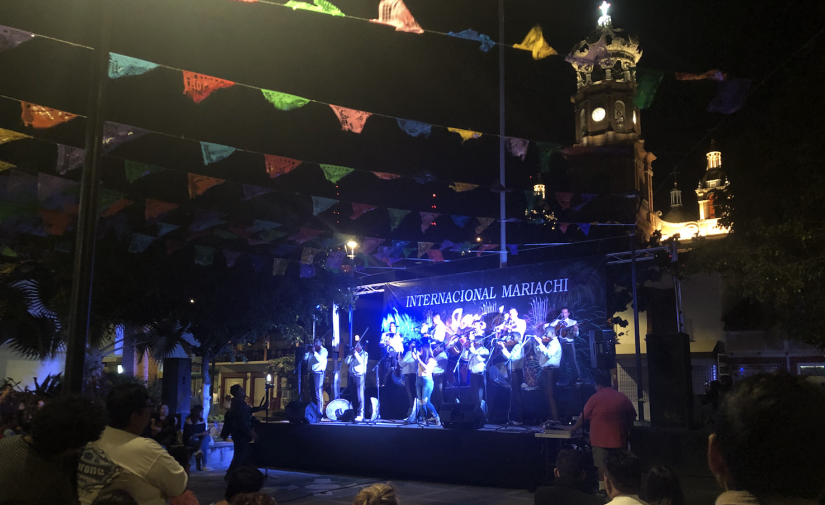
pixel 302 412
pixel 462 416
pixel 602 349
pixel 671 388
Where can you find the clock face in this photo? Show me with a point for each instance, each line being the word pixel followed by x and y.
pixel 598 114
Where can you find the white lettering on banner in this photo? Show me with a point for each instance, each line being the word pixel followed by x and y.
pixel 488 293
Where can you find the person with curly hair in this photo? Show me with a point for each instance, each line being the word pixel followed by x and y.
pixel 253 499
pixel 377 494
pixel 123 459
pixel 30 465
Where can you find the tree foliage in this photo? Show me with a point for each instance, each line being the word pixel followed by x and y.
pixel 775 253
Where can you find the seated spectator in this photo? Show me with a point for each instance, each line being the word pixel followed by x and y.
pixel 767 440
pixel 569 487
pixel 115 497
pixel 623 477
pixel 244 479
pixel 195 436
pixel 165 427
pixel 377 494
pixel 253 499
pixel 122 459
pixel 30 465
pixel 181 455
pixel 663 487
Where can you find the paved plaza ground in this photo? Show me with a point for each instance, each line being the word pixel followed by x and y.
pixel 305 488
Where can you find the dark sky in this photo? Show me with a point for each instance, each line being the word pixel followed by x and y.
pixel 429 78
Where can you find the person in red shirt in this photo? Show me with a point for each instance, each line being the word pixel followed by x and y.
pixel 611 414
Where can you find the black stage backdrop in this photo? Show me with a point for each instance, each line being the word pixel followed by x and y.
pixel 537 291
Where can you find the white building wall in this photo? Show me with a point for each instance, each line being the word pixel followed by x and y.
pixel 24 370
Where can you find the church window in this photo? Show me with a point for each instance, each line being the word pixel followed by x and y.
pixel 618 114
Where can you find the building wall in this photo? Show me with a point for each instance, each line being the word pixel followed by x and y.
pixel 24 370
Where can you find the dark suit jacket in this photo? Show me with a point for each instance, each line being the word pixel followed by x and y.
pixel 566 492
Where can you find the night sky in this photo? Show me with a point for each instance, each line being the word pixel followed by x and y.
pixel 429 78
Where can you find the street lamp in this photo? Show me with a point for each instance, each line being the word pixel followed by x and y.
pixel 350 247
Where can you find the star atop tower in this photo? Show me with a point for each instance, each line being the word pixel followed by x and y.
pixel 604 20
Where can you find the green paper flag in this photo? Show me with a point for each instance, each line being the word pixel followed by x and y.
pixel 204 255
pixel 647 81
pixel 396 216
pixel 8 252
pixel 226 235
pixel 320 204
pixel 546 150
pixel 135 170
pixel 283 101
pixel 270 235
pixel 334 173
pixel 106 198
pixel 321 6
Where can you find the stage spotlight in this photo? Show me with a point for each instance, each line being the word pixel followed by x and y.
pixel 350 247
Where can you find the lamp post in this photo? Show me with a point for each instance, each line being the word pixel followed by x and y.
pixel 350 248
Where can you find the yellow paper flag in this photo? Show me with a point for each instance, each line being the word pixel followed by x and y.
pixel 8 136
pixel 5 166
pixel 465 134
pixel 534 41
pixel 459 187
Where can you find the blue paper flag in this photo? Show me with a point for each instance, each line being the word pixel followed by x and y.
pixel 446 244
pixel 584 227
pixel 261 225
pixel 307 270
pixel 414 128
pixel 486 42
pixel 320 204
pixel 164 228
pixel 460 220
pixel 215 152
pixel 140 242
pixel 121 66
pixel 513 249
pixel 730 96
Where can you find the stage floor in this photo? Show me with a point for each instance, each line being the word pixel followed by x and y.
pixel 496 456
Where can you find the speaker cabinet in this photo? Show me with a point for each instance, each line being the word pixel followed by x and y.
pixel 462 416
pixel 302 412
pixel 602 349
pixel 176 386
pixel 671 390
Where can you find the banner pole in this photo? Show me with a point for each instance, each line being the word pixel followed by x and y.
pixel 639 384
pixel 83 271
pixel 501 199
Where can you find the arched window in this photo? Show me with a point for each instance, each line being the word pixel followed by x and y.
pixel 618 114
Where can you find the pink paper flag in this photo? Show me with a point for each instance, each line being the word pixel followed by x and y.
pixel 359 209
pixel 395 13
pixel 435 255
pixel 174 245
pixel 486 247
pixel 563 227
pixel 305 234
pixel 427 219
pixel 386 176
pixel 370 243
pixel 351 120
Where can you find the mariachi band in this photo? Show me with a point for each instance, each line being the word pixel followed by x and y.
pixel 461 351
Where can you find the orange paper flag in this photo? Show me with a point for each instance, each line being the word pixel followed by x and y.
pixel 198 86
pixel 351 120
pixel 55 222
pixel 198 184
pixel 395 13
pixel 38 116
pixel 278 165
pixel 157 208
pixel 116 207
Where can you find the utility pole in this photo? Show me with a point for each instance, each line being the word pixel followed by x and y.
pixel 639 386
pixel 84 257
pixel 501 147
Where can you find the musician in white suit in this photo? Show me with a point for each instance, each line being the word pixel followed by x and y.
pixel 565 324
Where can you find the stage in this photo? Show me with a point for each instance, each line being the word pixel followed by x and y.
pixel 513 457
